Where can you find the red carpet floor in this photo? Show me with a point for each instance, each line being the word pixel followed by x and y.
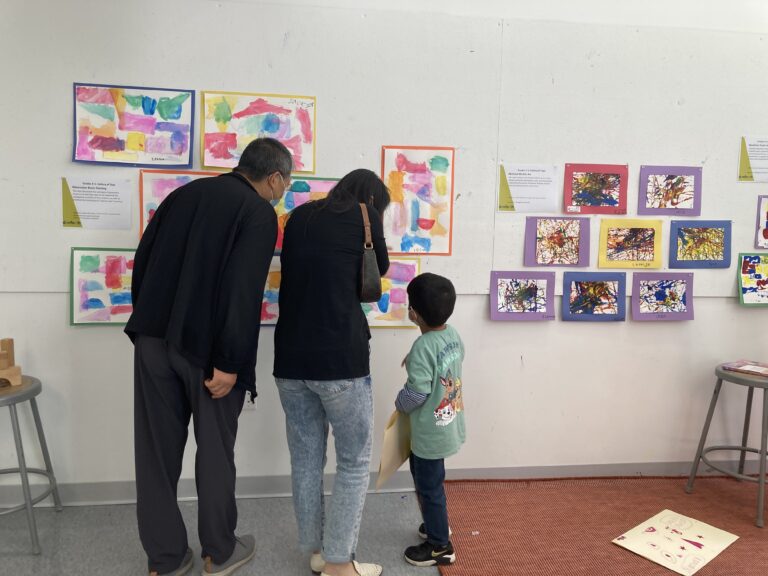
pixel 565 526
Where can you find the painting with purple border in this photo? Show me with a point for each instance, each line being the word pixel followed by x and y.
pixel 594 296
pixel 661 296
pixel 522 295
pixel 671 190
pixel 556 241
pixel 761 227
pixel 700 244
pixel 133 126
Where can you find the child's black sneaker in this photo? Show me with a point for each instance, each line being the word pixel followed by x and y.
pixel 423 532
pixel 426 554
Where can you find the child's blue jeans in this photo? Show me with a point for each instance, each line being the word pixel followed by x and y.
pixel 428 477
pixel 310 406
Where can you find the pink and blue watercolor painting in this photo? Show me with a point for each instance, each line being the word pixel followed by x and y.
pixel 231 120
pixel 156 185
pixel 391 311
pixel 133 126
pixel 419 218
pixel 100 285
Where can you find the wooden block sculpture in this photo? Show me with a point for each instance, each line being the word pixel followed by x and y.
pixel 10 374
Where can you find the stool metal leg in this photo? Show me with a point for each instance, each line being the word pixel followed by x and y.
pixel 761 479
pixel 24 479
pixel 704 432
pixel 46 456
pixel 745 434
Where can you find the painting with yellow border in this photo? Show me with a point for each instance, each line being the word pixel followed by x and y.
pixel 419 218
pixel 628 243
pixel 391 311
pixel 231 120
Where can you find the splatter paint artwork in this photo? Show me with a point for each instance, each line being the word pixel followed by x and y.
pixel 301 191
pixel 556 241
pixel 630 244
pixel 753 279
pixel 522 295
pixel 100 285
pixel 679 543
pixel 662 296
pixel 156 185
pixel 419 218
pixel 595 188
pixel 270 310
pixel 672 190
pixel 594 296
pixel 232 120
pixel 133 126
pixel 700 244
pixel 391 311
pixel 761 228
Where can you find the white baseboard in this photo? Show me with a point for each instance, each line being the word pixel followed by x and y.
pixel 103 493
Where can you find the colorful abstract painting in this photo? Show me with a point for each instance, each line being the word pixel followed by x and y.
pixel 231 120
pixel 270 310
pixel 522 295
pixel 562 241
pixel 629 243
pixel 133 126
pixel 301 191
pixel 594 296
pixel 753 279
pixel 100 285
pixel 672 190
pixel 420 216
pixel 662 296
pixel 391 311
pixel 761 227
pixel 700 244
pixel 595 188
pixel 156 185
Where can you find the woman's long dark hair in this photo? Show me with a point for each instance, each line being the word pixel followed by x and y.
pixel 358 186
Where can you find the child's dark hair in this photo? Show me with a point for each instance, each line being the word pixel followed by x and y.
pixel 432 297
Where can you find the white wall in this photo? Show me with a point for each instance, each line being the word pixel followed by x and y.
pixel 536 395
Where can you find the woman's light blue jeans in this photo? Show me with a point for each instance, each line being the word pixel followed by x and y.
pixel 310 407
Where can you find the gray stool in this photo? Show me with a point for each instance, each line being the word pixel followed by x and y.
pixel 30 387
pixel 751 382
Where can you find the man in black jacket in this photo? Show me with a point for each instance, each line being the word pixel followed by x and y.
pixel 198 282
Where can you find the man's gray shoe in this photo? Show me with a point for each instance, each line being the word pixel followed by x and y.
pixel 184 567
pixel 245 549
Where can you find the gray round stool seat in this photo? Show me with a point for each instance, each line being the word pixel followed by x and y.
pixel 751 382
pixel 10 397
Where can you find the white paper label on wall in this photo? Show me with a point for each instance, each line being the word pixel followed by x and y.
pixel 98 203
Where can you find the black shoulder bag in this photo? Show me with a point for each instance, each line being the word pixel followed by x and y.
pixel 370 279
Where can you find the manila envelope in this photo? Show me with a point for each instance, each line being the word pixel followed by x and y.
pixel 396 447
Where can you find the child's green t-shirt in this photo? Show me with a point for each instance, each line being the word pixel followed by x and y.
pixel 434 368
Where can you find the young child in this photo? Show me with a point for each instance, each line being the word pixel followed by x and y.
pixel 433 398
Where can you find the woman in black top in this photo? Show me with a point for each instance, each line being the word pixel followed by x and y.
pixel 322 364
